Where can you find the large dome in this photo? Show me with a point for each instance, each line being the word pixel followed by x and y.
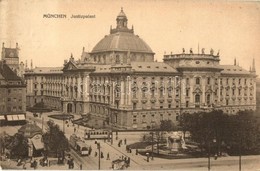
pixel 122 41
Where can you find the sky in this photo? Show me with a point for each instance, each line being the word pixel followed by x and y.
pixel 233 27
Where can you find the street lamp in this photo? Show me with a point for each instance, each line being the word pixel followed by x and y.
pixel 152 123
pixel 214 140
pixel 98 146
pixel 240 142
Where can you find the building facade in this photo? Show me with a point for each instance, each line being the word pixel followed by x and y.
pixel 12 95
pixel 120 83
pixel 11 58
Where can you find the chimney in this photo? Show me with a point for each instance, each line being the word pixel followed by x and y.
pixel 65 62
pixel 253 66
pixel 235 62
pixel 31 64
pixel 3 45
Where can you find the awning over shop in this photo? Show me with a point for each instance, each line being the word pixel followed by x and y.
pixel 2 117
pixel 15 118
pixel 21 117
pixel 9 117
pixel 37 143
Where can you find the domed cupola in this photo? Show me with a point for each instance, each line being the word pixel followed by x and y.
pixel 121 45
pixel 121 20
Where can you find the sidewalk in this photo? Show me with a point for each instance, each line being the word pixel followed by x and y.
pixel 142 160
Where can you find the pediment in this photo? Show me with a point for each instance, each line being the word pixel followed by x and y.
pixel 70 66
pixel 197 91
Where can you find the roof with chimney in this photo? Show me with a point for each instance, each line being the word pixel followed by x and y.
pixel 8 73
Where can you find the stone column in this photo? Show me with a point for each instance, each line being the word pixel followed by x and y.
pixel 203 90
pixel 86 87
pixel 122 91
pixel 112 92
pixel 78 86
pixel 191 91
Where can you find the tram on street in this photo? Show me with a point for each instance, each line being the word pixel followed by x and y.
pixel 79 146
pixel 97 134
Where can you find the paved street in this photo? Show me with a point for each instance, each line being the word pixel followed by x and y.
pixel 137 161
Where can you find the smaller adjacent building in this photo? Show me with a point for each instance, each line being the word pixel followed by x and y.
pixel 34 135
pixel 12 96
pixel 11 57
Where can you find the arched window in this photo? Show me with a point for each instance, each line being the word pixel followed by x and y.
pixel 197 80
pixel 197 98
pixel 208 99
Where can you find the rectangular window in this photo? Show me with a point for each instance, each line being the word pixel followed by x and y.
pixel 187 103
pixel 35 86
pixel 20 108
pixel 161 105
pixel 177 104
pixel 198 81
pixel 161 116
pixel 187 92
pixel 169 106
pixel 177 93
pixel 9 99
pixel 134 106
pixel 187 81
pixel 208 81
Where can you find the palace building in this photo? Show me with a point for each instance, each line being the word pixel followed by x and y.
pixel 119 82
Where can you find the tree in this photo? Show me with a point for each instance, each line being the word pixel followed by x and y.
pixel 240 131
pixel 244 133
pixel 185 122
pixel 18 146
pixel 5 141
pixel 55 139
pixel 167 125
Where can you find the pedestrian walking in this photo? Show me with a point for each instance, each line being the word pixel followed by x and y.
pixel 80 166
pixel 125 141
pixel 90 150
pixel 95 154
pixel 130 150
pixel 102 155
pixel 136 152
pixel 108 158
pixel 147 155
pixel 75 129
pixel 128 161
